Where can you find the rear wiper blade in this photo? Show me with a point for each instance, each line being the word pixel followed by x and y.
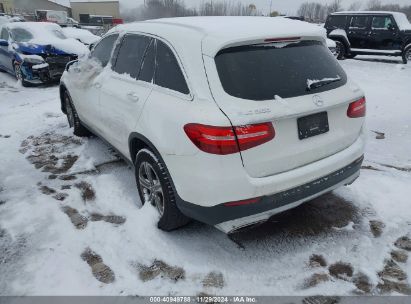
pixel 314 84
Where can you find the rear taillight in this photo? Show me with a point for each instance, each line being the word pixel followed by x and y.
pixel 357 108
pixel 229 140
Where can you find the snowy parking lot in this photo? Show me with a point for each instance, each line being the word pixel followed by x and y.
pixel 71 222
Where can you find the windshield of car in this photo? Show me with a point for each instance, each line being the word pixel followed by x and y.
pixel 21 35
pixel 261 72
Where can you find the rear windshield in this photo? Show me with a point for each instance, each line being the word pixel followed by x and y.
pixel 261 72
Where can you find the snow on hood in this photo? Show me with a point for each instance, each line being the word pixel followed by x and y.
pixel 45 33
pixel 84 36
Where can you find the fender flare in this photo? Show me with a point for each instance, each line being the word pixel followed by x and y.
pixel 144 142
pixel 342 38
pixel 148 144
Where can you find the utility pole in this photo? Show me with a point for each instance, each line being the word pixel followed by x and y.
pixel 271 7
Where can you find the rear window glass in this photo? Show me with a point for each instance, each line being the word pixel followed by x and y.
pixel 260 72
pixel 336 21
pixel 168 73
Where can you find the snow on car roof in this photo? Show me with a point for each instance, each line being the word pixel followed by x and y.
pixel 400 18
pixel 216 33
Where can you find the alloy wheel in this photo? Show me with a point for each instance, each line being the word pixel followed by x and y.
pixel 151 187
pixel 17 70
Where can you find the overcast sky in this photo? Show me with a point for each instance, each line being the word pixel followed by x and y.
pixel 289 7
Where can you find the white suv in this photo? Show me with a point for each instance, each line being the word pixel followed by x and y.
pixel 227 120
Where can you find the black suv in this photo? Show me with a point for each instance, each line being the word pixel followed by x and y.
pixel 370 33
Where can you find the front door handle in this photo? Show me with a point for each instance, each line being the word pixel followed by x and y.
pixel 133 96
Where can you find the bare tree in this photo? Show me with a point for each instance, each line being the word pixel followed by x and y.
pixel 355 6
pixel 334 6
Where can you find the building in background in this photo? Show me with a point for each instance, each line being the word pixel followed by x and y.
pixel 29 7
pixel 81 8
pixel 6 6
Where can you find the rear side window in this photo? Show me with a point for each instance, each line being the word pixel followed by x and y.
pixel 260 72
pixel 102 51
pixel 149 62
pixel 168 73
pixel 130 55
pixel 336 21
pixel 359 22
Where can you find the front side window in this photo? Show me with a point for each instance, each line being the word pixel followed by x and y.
pixel 130 55
pixel 382 22
pixel 262 72
pixel 359 22
pixel 168 73
pixel 102 51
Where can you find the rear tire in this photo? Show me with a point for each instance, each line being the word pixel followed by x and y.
pixel 406 55
pixel 340 50
pixel 155 186
pixel 73 119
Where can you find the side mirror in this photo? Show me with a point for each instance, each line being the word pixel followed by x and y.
pixel 91 46
pixel 4 42
pixel 70 63
pixel 391 27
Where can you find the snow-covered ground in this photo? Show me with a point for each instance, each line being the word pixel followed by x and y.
pixel 71 222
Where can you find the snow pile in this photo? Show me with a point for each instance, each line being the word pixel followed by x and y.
pixel 45 33
pixel 83 72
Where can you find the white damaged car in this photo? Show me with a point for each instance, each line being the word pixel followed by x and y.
pixel 222 125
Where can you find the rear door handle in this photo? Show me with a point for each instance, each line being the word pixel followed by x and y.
pixel 133 96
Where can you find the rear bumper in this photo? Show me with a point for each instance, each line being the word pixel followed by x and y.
pixel 229 219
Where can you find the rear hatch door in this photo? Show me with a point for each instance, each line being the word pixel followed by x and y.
pixel 300 88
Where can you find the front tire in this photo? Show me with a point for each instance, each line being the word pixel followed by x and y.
pixel 73 119
pixel 406 55
pixel 155 187
pixel 340 50
pixel 19 75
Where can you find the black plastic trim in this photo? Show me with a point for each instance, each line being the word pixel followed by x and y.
pixel 221 213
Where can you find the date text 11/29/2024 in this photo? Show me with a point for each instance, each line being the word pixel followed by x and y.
pixel 203 299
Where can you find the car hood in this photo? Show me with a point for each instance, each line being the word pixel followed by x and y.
pixel 67 46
